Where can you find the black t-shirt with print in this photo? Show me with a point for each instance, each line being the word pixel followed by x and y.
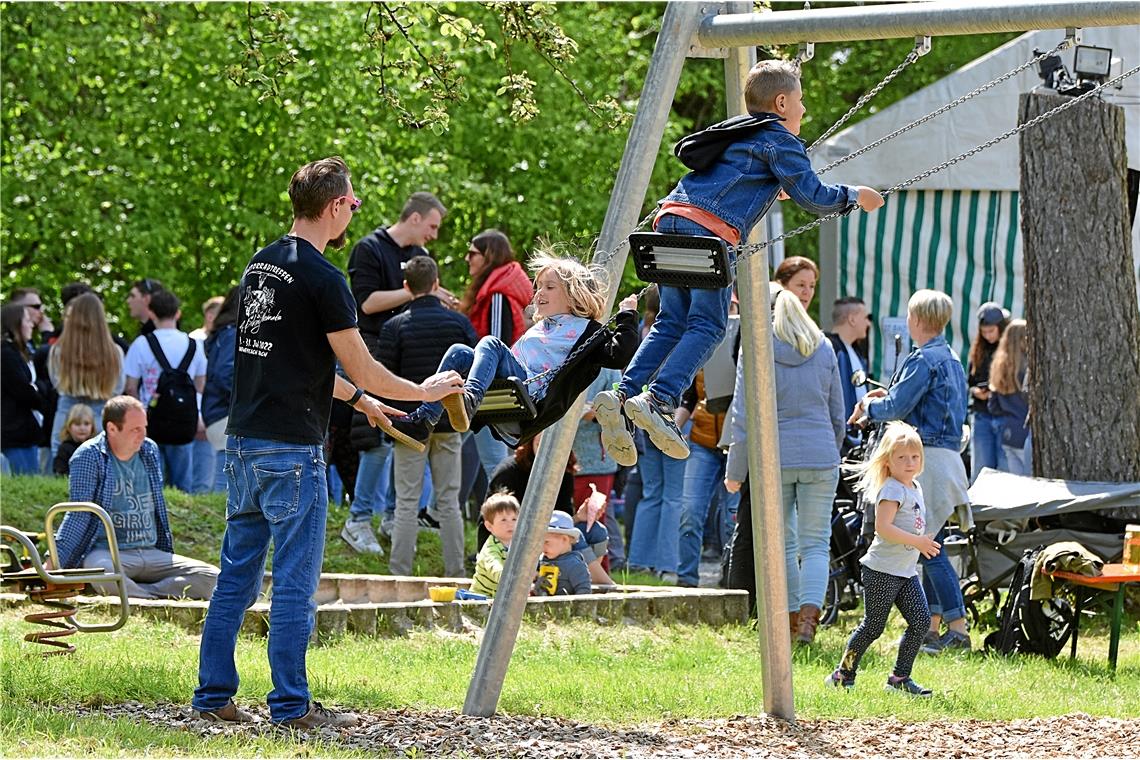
pixel 377 263
pixel 291 298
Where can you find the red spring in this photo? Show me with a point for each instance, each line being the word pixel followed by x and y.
pixel 59 619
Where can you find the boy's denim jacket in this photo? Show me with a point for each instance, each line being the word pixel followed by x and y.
pixel 929 392
pixel 740 186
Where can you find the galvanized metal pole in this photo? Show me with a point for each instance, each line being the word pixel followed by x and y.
pixel 943 17
pixel 678 27
pixel 764 441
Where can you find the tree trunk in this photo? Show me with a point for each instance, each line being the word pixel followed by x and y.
pixel 1080 293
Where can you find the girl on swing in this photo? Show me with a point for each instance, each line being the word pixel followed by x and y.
pixel 569 300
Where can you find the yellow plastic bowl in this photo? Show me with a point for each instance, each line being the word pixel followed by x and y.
pixel 442 593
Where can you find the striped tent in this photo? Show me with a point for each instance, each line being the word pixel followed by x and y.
pixel 958 230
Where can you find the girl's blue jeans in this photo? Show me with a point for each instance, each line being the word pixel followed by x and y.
pixel 277 492
pixel 699 316
pixel 985 445
pixel 491 358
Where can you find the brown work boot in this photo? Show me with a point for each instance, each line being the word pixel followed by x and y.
pixel 229 713
pixel 794 621
pixel 809 619
pixel 319 716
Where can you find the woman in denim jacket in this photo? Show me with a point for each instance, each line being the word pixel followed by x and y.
pixel 929 392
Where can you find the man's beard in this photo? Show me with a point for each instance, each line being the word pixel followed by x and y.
pixel 339 241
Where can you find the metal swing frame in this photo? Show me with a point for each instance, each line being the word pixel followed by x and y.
pixel 697 28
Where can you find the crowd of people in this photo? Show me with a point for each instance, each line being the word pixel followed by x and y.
pixel 298 379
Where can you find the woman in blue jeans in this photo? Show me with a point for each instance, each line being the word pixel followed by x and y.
pixel 985 442
pixel 810 416
pixel 929 392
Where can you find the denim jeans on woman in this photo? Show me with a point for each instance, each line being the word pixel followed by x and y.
pixel 807 497
pixel 656 531
pixel 940 583
pixel 278 492
pixel 985 445
pixel 704 478
pixel 698 315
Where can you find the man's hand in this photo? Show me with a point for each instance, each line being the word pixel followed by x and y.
pixel 869 198
pixel 441 384
pixel 629 303
pixel 376 412
pixel 446 297
pixel 732 486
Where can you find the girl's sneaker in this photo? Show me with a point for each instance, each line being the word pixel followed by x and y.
pixel 907 686
pixel 837 680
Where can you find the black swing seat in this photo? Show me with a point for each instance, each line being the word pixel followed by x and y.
pixel 506 400
pixel 682 261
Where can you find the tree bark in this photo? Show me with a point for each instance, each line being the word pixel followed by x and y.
pixel 1080 293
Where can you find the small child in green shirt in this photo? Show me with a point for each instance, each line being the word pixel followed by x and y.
pixel 500 513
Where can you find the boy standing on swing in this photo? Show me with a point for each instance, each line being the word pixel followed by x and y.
pixel 739 167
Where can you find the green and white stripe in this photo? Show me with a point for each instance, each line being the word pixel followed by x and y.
pixel 966 243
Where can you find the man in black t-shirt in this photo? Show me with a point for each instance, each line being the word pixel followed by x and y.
pixel 296 319
pixel 376 276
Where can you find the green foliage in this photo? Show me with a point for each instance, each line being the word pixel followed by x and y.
pixel 157 139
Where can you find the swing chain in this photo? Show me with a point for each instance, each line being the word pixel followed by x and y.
pixel 744 251
pixel 921 48
pixel 1062 45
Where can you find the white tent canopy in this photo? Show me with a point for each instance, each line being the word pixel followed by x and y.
pixel 958 230
pixel 975 121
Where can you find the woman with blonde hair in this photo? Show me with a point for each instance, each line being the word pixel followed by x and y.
pixel 1009 397
pixel 85 365
pixel 811 421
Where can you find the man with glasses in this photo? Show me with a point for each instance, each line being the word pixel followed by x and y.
pixel 31 300
pixel 376 274
pixel 297 318
pixel 138 303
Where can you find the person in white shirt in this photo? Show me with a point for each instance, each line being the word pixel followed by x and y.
pixel 143 370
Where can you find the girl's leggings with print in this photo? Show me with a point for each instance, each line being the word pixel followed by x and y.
pixel 881 591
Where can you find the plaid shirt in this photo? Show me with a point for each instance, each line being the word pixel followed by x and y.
pixel 93 479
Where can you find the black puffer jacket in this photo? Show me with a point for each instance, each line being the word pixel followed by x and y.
pixel 411 345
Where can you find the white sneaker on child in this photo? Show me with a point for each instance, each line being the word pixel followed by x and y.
pixel 647 412
pixel 617 432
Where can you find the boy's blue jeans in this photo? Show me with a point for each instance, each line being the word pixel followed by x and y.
pixel 278 492
pixel 491 358
pixel 698 316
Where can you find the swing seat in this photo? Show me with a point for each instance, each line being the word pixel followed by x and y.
pixel 506 400
pixel 682 261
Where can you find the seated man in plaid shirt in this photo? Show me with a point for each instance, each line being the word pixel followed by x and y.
pixel 119 470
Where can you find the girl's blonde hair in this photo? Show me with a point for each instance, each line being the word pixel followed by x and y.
pixel 791 324
pixel 78 413
pixel 874 472
pixel 931 308
pixel 86 360
pixel 586 286
pixel 1010 359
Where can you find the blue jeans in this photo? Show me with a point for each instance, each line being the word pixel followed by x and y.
pixel 375 493
pixel 656 531
pixel 704 478
pixel 940 583
pixel 985 445
pixel 492 451
pixel 1019 461
pixel 178 464
pixel 807 497
pixel 202 472
pixel 491 358
pixel 23 460
pixel 278 492
pixel 698 316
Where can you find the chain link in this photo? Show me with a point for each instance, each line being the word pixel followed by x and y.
pixel 911 57
pixel 1062 45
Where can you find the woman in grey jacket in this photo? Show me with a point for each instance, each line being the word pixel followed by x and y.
pixel 811 420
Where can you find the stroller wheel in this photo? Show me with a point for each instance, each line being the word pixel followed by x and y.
pixel 832 599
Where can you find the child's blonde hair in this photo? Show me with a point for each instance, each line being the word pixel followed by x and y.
pixel 791 324
pixel 766 80
pixel 497 503
pixel 1010 359
pixel 78 413
pixel 931 309
pixel 586 286
pixel 874 472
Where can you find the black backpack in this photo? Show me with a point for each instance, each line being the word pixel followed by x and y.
pixel 1030 626
pixel 172 417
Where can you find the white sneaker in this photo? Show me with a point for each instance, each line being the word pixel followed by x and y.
pixel 656 419
pixel 617 431
pixel 358 534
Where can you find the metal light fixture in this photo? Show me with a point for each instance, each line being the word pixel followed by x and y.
pixel 1092 63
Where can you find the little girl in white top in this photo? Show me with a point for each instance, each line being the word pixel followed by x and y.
pixel 890 567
